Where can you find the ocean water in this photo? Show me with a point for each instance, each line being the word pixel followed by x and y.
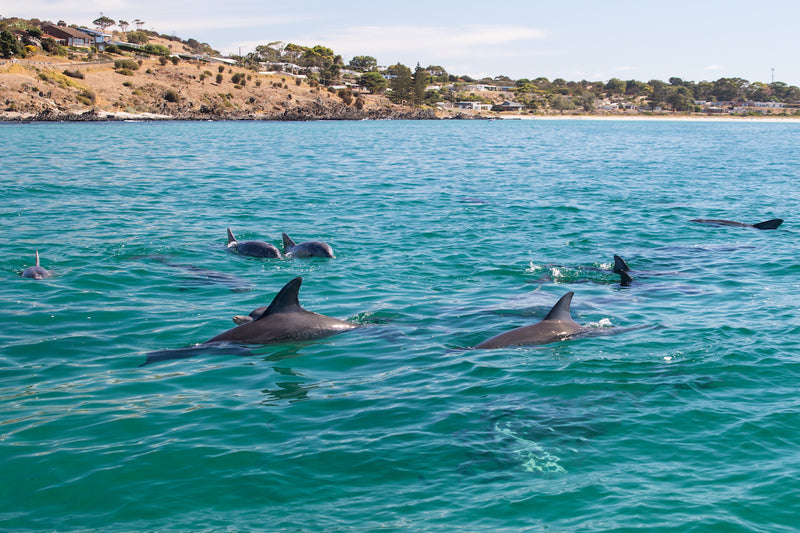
pixel 683 415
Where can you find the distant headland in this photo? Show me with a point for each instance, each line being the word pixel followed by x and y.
pixel 59 72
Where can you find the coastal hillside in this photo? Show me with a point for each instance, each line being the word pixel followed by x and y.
pixel 59 72
pixel 94 86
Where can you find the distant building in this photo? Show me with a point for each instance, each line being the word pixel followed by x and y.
pixel 100 39
pixel 510 106
pixel 475 106
pixel 68 36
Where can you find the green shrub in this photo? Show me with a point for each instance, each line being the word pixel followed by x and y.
pixel 163 60
pixel 86 97
pixel 128 64
pixel 219 78
pixel 124 71
pixel 155 49
pixel 138 37
pixel 172 96
pixel 74 74
pixel 51 46
pixel 346 95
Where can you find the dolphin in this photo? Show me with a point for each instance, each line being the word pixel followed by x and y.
pixel 767 224
pixel 201 275
pixel 556 326
pixel 37 271
pixel 283 320
pixel 253 248
pixel 621 268
pixel 305 249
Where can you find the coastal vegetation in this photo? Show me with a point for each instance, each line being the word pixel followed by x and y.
pixel 360 83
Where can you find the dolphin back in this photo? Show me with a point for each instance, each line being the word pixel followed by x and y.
pixel 283 320
pixel 306 249
pixel 556 326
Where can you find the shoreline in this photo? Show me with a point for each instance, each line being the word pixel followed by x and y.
pixel 93 115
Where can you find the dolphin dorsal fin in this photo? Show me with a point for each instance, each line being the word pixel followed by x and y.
pixel 624 278
pixel 620 265
pixel 287 242
pixel 560 311
pixel 769 224
pixel 231 238
pixel 287 300
pixel 37 258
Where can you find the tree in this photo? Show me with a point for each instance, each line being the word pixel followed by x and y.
pixel 373 81
pixel 123 25
pixel 615 86
pixel 103 22
pixel 363 63
pixel 318 56
pixel 420 83
pixel 269 52
pixel 138 37
pixel 658 93
pixel 730 89
pixel 401 84
pixel 680 99
pixel 139 23
pixel 438 73
pixel 9 46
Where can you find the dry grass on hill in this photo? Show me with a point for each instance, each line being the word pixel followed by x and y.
pixel 39 83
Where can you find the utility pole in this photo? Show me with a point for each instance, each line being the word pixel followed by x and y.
pixel 773 74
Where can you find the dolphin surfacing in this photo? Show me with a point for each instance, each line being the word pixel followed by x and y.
pixel 253 248
pixel 284 320
pixel 305 249
pixel 767 224
pixel 622 268
pixel 556 326
pixel 37 271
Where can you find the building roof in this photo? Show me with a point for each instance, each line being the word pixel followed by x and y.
pixel 65 30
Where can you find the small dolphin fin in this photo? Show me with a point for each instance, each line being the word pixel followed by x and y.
pixel 769 224
pixel 231 238
pixel 287 242
pixel 624 278
pixel 287 300
pixel 560 311
pixel 620 265
pixel 37 258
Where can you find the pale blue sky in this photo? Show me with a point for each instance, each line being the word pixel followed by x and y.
pixel 574 40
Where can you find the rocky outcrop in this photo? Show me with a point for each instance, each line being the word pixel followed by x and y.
pixel 319 109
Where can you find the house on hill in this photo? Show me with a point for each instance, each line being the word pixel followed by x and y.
pixel 100 39
pixel 509 106
pixel 68 36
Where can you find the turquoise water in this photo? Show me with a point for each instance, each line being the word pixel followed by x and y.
pixel 445 234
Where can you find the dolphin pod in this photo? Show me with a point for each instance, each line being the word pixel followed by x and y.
pixel 305 249
pixel 767 224
pixel 253 248
pixel 37 271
